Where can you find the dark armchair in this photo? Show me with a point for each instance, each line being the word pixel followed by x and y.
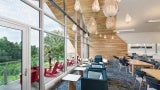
pixel 93 84
pixel 95 79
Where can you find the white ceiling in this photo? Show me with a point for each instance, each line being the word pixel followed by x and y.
pixel 141 11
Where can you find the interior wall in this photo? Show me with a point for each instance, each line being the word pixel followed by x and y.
pixel 107 47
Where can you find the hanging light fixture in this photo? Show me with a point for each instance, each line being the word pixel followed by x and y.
pixel 112 37
pixel 95 6
pixel 128 18
pixel 110 22
pixel 86 35
pixel 105 36
pixel 92 25
pixel 77 6
pixel 118 1
pixel 110 8
pixel 96 33
pixel 74 27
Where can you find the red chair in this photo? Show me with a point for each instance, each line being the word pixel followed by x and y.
pixel 34 75
pixel 61 66
pixel 52 71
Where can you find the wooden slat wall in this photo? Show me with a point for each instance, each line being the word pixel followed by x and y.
pixel 107 47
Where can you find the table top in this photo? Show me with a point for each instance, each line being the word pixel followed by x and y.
pixel 80 68
pixel 152 72
pixel 138 62
pixel 71 77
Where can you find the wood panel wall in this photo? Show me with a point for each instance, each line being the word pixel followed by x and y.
pixel 107 47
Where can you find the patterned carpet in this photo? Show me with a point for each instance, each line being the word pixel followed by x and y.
pixel 117 80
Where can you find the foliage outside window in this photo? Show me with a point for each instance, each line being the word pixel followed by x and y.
pixel 55 44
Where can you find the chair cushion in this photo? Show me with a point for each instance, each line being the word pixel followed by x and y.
pixel 95 75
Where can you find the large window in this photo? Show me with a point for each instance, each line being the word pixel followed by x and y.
pixel 53 26
pixel 10 56
pixel 19 11
pixel 54 54
pixel 141 49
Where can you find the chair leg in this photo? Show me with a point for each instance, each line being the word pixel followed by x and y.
pixel 126 69
pixel 140 85
pixel 119 68
pixel 135 83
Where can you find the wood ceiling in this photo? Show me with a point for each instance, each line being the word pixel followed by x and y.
pixel 107 47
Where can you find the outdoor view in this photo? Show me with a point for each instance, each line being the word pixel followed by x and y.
pixel 10 54
pixel 11 44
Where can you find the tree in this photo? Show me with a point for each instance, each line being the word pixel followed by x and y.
pixel 55 44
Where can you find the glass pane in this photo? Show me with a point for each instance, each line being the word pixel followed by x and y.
pixel 54 56
pixel 53 26
pixel 51 10
pixel 71 60
pixel 48 10
pixel 34 59
pixel 71 29
pixel 10 58
pixel 19 11
pixel 35 2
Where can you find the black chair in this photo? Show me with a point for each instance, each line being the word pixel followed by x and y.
pixel 152 82
pixel 122 64
pixel 157 65
pixel 139 76
pixel 98 58
pixel 93 84
pixel 96 79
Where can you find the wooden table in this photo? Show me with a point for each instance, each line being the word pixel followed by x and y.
pixel 134 63
pixel 72 78
pixel 80 70
pixel 152 72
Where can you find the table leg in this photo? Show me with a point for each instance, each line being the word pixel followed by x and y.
pixel 80 73
pixel 132 70
pixel 71 85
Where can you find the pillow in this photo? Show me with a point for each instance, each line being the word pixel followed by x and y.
pixel 94 75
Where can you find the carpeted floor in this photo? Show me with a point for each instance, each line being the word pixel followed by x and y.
pixel 117 80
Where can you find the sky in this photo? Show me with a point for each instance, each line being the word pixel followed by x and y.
pixel 19 11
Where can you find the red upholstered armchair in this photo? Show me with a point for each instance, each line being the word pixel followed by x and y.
pixel 52 71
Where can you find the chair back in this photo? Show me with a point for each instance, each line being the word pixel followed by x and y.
pixel 98 58
pixel 96 79
pixel 153 82
pixel 93 84
pixel 55 67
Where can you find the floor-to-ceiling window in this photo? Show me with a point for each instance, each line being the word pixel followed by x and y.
pixel 36 22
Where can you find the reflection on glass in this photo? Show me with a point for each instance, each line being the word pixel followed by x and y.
pixel 19 11
pixel 10 58
pixel 54 52
pixel 35 2
pixel 53 26
pixel 49 9
pixel 34 59
pixel 71 60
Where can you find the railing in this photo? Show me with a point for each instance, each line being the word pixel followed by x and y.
pixel 9 71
